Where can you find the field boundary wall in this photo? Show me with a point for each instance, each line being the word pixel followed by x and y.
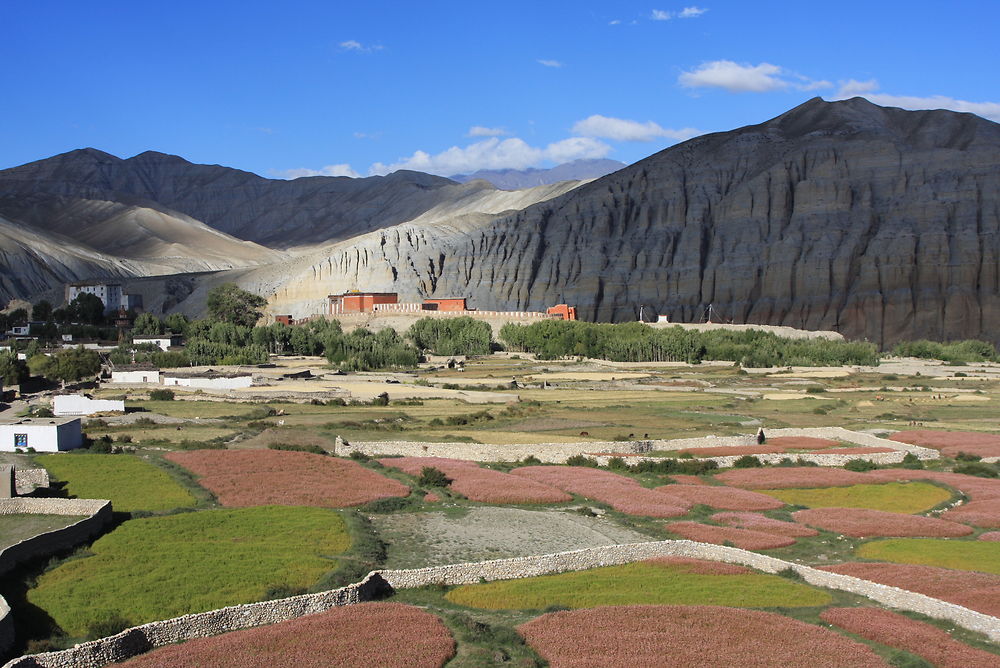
pixel 28 480
pixel 558 453
pixel 140 639
pixel 96 516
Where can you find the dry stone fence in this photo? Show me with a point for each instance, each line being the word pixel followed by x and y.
pixel 140 639
pixel 558 453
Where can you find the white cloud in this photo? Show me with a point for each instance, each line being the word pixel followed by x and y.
pixel 691 12
pixel 550 63
pixel 494 153
pixel 867 90
pixel 734 77
pixel 853 87
pixel 480 131
pixel 330 170
pixel 660 15
pixel 615 22
pixel 746 78
pixel 355 45
pixel 621 129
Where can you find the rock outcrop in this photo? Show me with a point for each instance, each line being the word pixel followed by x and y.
pixel 878 223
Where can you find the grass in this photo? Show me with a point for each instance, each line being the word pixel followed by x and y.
pixel 638 584
pixel 129 482
pixel 963 555
pixel 894 497
pixel 15 528
pixel 163 567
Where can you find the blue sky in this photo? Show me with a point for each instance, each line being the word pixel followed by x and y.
pixel 297 88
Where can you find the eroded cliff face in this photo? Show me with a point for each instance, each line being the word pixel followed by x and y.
pixel 878 223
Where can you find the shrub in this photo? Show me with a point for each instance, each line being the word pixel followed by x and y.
pixel 967 457
pixel 388 505
pixel 531 460
pixel 911 461
pixel 617 464
pixel 582 460
pixel 359 456
pixel 314 449
pixel 161 395
pixel 978 469
pixel 747 462
pixel 381 400
pixel 108 625
pixel 432 477
pixel 860 465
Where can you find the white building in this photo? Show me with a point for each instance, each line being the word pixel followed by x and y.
pixel 164 341
pixel 109 293
pixel 40 434
pixel 78 404
pixel 136 373
pixel 208 381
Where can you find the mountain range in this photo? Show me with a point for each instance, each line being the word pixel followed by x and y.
pixel 876 222
pixel 515 179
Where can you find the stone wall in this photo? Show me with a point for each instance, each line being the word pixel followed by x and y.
pixel 96 516
pixel 156 634
pixel 140 639
pixel 576 560
pixel 558 453
pixel 28 480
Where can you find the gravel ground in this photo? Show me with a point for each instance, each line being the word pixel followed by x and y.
pixel 431 539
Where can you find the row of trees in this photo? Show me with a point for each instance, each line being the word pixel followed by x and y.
pixel 637 342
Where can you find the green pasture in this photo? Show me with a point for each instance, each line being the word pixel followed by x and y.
pixel 163 567
pixel 642 583
pixel 129 482
pixel 894 497
pixel 963 555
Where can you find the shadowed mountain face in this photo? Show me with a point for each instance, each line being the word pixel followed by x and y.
pixel 275 213
pixel 514 179
pixel 878 223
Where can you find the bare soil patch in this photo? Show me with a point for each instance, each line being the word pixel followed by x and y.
pixel 432 539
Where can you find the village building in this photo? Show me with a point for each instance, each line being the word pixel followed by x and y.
pixel 445 305
pixel 564 311
pixel 208 380
pixel 79 404
pixel 135 373
pixel 359 302
pixel 164 341
pixel 110 294
pixel 41 434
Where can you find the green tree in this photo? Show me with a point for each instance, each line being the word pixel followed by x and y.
pixel 66 366
pixel 147 324
pixel 230 303
pixel 87 308
pixel 42 311
pixel 18 317
pixel 12 370
pixel 177 323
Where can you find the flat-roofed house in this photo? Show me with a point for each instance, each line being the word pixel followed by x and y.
pixel 41 434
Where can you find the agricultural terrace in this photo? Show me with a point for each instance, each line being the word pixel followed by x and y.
pixel 894 497
pixel 276 477
pixel 162 567
pixel 926 641
pixel 976 591
pixel 703 636
pixel 130 483
pixel 622 493
pixel 864 523
pixel 15 528
pixel 657 581
pixel 367 635
pixel 747 539
pixel 479 484
pixel 962 555
pixel 951 443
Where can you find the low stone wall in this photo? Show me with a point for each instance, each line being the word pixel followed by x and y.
pixel 28 480
pixel 558 453
pixel 96 516
pixel 156 634
pixel 140 639
pixel 611 555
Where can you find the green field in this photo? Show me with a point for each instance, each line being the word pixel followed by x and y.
pixel 15 528
pixel 963 555
pixel 893 497
pixel 641 583
pixel 162 567
pixel 129 482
